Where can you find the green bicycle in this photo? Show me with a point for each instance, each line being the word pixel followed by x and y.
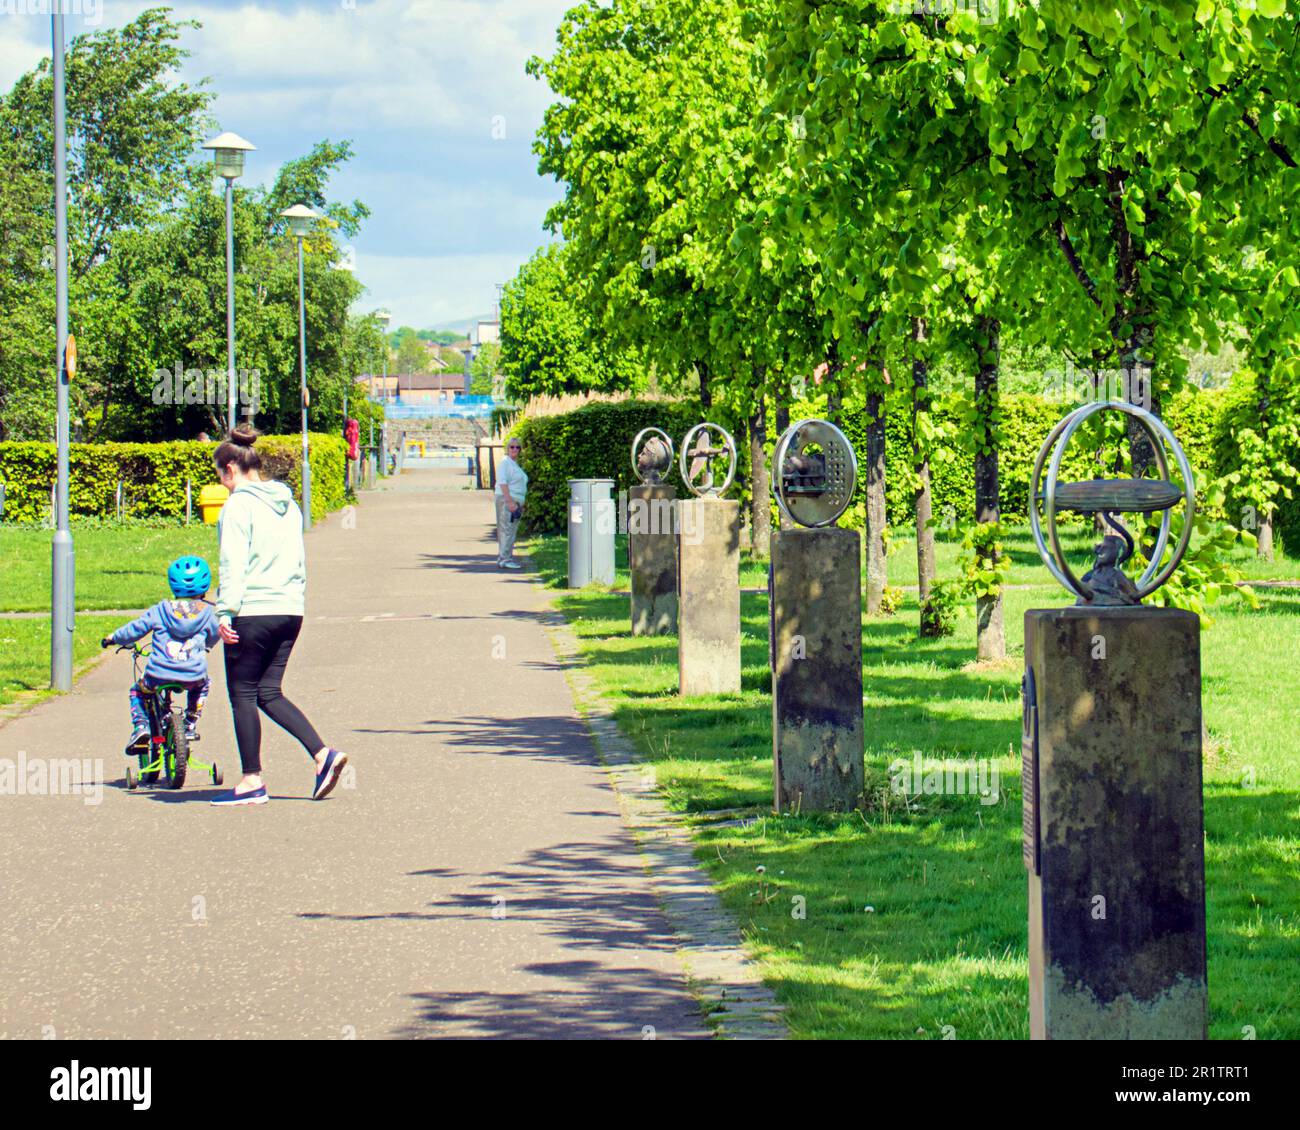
pixel 165 753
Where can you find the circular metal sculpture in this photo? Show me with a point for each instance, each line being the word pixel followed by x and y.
pixel 1105 583
pixel 816 473
pixel 651 459
pixel 702 452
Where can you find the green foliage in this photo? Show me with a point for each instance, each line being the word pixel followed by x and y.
pixel 153 475
pixel 1025 421
pixel 1257 448
pixel 947 600
pixel 484 368
pixel 549 344
pixel 147 251
pixel 412 357
pixel 593 442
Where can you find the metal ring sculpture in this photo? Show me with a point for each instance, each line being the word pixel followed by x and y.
pixel 1110 496
pixel 699 459
pixel 656 463
pixel 814 490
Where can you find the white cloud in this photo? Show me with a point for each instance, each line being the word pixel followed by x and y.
pixel 418 86
pixel 428 290
pixel 448 65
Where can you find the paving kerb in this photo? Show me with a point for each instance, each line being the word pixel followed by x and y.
pixel 723 975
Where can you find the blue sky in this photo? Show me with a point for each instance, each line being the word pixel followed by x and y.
pixel 419 86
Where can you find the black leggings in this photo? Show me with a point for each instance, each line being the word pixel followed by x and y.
pixel 254 670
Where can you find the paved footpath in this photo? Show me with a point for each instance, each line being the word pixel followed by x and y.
pixel 476 879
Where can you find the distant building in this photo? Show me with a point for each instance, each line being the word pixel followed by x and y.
pixel 438 360
pixel 416 388
pixel 485 333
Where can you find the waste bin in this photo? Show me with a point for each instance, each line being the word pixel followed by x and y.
pixel 592 520
pixel 211 499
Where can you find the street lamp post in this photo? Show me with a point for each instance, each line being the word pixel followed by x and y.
pixel 301 222
pixel 62 558
pixel 228 151
pixel 384 318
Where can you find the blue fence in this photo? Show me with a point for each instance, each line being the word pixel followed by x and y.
pixel 462 406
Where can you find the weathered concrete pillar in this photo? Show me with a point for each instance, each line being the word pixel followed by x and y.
pixel 652 558
pixel 1113 822
pixel 708 607
pixel 816 638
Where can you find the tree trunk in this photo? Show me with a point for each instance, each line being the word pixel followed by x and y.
pixel 922 502
pixel 1132 327
pixel 1264 535
pixel 782 426
pixel 706 393
pixel 877 575
pixel 990 634
pixel 760 520
pixel 834 390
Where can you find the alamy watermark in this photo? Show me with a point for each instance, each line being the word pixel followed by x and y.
pixel 644 516
pixel 57 776
pixel 986 11
pixel 931 777
pixel 1079 385
pixel 206 386
pixel 90 11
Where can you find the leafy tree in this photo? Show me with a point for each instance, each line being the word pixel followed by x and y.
pixel 412 357
pixel 548 342
pixel 147 239
pixel 485 368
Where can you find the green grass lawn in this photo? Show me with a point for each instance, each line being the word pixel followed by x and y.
pixel 944 942
pixel 25 652
pixel 117 566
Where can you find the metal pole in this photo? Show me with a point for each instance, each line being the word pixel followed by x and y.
pixel 302 369
pixel 230 307
pixel 63 559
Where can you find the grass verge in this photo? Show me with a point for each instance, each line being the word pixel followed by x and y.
pixel 118 566
pixel 914 913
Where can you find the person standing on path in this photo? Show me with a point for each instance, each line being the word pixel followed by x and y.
pixel 260 605
pixel 512 489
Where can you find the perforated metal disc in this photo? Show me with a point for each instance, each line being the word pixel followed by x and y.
pixel 815 471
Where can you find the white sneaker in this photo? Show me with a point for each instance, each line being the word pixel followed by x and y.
pixel 511 565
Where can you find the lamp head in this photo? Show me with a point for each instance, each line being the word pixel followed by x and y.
pixel 228 151
pixel 302 220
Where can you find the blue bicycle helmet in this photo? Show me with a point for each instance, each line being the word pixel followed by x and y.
pixel 189 577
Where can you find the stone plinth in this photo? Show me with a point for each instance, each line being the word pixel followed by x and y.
pixel 816 650
pixel 652 558
pixel 1113 821
pixel 708 596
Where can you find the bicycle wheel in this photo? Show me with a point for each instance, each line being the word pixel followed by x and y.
pixel 176 758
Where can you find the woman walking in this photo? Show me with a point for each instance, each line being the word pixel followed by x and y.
pixel 260 604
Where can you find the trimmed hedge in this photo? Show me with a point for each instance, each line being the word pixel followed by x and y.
pixel 595 440
pixel 1026 422
pixel 153 475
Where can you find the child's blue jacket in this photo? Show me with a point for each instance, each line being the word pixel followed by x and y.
pixel 183 630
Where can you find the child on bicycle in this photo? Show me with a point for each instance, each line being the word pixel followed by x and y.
pixel 184 629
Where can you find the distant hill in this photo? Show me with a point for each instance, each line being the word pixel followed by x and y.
pixel 462 326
